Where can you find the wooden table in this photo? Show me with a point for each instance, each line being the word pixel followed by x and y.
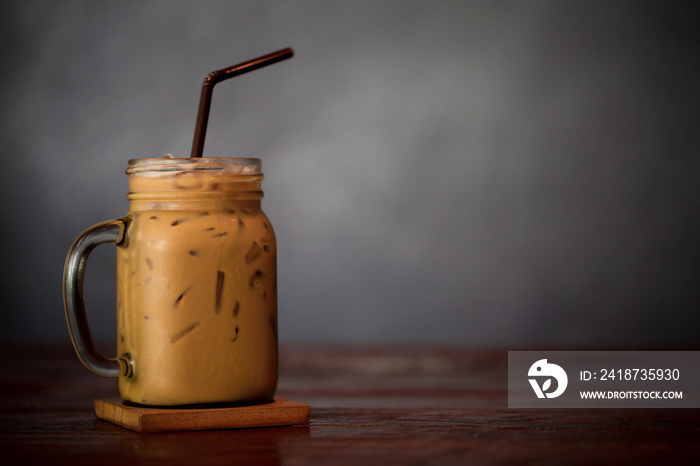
pixel 369 405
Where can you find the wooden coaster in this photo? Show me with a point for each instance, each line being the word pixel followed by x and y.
pixel 281 412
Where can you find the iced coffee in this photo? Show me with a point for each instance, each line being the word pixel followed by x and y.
pixel 196 284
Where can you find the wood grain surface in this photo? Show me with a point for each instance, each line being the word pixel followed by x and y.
pixel 369 405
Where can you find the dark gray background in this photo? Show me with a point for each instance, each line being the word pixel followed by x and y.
pixel 474 172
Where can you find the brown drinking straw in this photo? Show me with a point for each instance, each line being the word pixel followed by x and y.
pixel 214 77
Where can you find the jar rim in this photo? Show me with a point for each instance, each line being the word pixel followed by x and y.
pixel 227 165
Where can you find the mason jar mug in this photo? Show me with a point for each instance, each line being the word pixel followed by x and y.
pixel 196 285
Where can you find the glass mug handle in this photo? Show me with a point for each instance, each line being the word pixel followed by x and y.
pixel 112 231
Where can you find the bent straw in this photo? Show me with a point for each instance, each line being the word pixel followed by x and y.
pixel 214 77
